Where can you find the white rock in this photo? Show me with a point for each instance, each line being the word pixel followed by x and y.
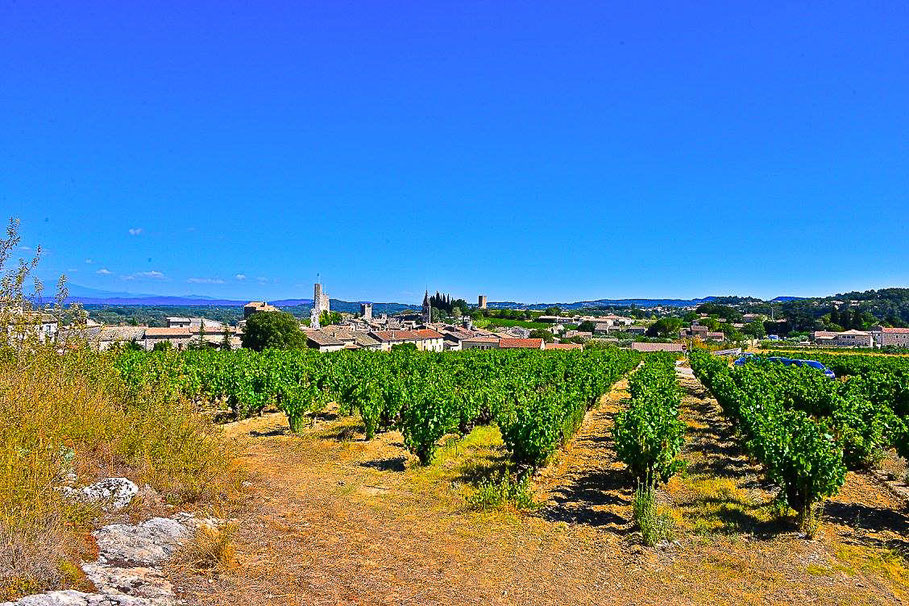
pixel 111 493
pixel 77 598
pixel 139 581
pixel 145 544
pixel 127 573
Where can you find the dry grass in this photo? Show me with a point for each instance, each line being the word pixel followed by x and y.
pixel 70 413
pixel 211 548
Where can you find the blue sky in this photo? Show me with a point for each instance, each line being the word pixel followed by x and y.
pixel 535 151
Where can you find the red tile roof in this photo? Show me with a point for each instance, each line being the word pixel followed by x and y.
pixel 167 332
pixel 392 336
pixel 648 347
pixel 896 331
pixel 521 344
pixel 564 346
pixel 427 333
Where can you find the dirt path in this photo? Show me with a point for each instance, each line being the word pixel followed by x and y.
pixel 332 519
pixel 723 501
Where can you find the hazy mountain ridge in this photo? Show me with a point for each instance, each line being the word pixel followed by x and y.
pixel 91 296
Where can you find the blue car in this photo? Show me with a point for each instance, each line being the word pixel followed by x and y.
pixel 790 362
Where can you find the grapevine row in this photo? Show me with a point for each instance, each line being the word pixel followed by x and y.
pixel 798 452
pixel 538 399
pixel 649 434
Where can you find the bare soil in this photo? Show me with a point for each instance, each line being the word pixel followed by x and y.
pixel 332 519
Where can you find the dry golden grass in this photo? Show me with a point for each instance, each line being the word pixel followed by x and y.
pixel 212 547
pixel 69 413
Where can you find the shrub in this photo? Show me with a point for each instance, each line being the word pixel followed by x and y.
pixel 73 412
pixel 506 490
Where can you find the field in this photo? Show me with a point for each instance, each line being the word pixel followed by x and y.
pixel 524 477
pixel 334 518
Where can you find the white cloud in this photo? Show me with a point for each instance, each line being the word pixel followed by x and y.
pixel 262 279
pixel 135 231
pixel 240 276
pixel 150 275
pixel 104 271
pixel 89 261
pixel 205 281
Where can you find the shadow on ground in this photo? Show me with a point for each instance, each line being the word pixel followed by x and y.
pixel 394 464
pixel 592 495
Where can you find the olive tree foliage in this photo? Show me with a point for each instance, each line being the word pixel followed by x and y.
pixel 20 309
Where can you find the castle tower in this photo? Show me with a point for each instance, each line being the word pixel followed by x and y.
pixel 319 304
pixel 481 301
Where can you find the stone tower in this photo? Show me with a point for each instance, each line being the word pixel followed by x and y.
pixel 481 301
pixel 320 303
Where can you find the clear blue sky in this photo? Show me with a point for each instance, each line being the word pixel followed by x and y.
pixel 534 151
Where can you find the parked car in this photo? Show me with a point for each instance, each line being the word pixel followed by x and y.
pixel 789 362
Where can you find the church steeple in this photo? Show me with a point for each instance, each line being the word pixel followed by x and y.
pixel 427 308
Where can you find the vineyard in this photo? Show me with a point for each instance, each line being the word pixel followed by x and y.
pixel 807 430
pixel 653 465
pixel 537 399
pixel 649 434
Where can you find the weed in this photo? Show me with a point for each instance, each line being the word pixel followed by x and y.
pixel 211 547
pixel 809 519
pixel 655 525
pixel 505 491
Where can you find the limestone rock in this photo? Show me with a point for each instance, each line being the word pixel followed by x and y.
pixel 145 544
pixel 111 493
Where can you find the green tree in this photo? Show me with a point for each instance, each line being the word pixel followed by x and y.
pixel 755 329
pixel 553 311
pixel 665 327
pixel 327 318
pixel 459 307
pixel 541 333
pixel 586 326
pixel 225 342
pixel 273 329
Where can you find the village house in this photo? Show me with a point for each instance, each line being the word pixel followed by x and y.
pixel 652 347
pixel 521 344
pixel 480 343
pixel 323 341
pixel 890 337
pixel 335 338
pixel 849 338
pixel 853 338
pixel 179 338
pixel 549 346
pixel 255 307
pixel 30 324
pixel 823 337
pixel 110 336
pixel 425 339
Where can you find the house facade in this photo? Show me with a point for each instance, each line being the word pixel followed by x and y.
pixel 890 337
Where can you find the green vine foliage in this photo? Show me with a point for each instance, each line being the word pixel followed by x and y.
pixel 537 398
pixel 649 434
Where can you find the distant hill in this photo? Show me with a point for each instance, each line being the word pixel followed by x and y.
pixel 604 303
pixel 94 297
